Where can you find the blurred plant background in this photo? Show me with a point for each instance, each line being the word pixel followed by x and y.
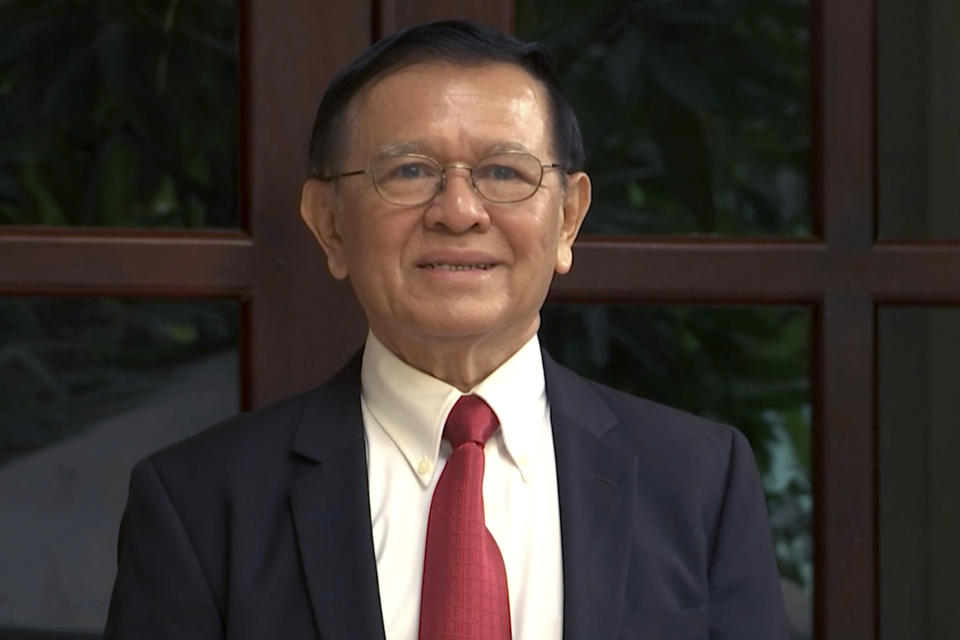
pixel 695 112
pixel 117 113
pixel 697 121
pixel 113 113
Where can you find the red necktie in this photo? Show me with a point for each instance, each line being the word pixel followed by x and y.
pixel 464 594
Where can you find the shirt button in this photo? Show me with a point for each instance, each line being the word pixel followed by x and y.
pixel 424 467
pixel 523 461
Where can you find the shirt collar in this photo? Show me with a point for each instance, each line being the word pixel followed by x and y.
pixel 412 406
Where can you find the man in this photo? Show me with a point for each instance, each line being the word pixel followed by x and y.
pixel 446 184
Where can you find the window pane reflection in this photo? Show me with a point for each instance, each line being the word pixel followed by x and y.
pixel 918 81
pixel 696 115
pixel 87 387
pixel 919 352
pixel 117 113
pixel 748 367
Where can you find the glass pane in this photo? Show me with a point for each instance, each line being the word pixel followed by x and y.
pixel 87 388
pixel 746 367
pixel 918 59
pixel 919 352
pixel 117 113
pixel 696 115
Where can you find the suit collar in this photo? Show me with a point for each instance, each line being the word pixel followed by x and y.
pixel 331 511
pixel 597 490
pixel 317 436
pixel 573 398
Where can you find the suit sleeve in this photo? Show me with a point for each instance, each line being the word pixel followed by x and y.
pixel 746 600
pixel 161 591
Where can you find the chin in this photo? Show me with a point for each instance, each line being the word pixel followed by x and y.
pixel 472 326
pixel 457 328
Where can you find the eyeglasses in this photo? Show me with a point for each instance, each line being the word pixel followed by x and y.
pixel 410 179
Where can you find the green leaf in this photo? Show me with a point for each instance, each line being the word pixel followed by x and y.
pixel 45 203
pixel 117 183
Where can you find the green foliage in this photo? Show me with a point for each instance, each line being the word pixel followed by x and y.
pixel 695 112
pixel 117 113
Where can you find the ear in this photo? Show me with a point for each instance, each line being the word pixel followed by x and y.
pixel 318 208
pixel 575 205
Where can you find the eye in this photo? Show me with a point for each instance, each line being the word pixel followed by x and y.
pixel 405 170
pixel 409 171
pixel 505 168
pixel 496 172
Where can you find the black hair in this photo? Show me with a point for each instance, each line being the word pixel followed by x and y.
pixel 454 41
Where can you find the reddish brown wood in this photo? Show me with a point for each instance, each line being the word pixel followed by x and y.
pixel 918 273
pixel 140 262
pixel 845 471
pixel 756 271
pixel 391 15
pixel 299 324
pixel 846 120
pixel 688 270
pixel 125 262
pixel 845 459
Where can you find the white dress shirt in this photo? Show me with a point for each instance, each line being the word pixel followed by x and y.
pixel 404 411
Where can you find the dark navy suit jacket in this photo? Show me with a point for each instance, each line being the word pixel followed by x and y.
pixel 260 527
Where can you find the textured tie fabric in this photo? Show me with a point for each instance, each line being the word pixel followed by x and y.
pixel 464 593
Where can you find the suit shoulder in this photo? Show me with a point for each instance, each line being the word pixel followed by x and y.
pixel 260 437
pixel 640 424
pixel 266 423
pixel 659 417
pixel 245 439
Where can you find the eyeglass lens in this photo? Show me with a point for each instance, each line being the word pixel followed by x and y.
pixel 414 179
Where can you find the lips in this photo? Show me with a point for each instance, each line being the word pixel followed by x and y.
pixel 446 266
pixel 457 261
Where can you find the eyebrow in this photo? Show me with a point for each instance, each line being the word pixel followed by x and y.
pixel 506 146
pixel 399 148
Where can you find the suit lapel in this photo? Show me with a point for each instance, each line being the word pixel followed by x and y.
pixel 331 512
pixel 597 486
pixel 331 509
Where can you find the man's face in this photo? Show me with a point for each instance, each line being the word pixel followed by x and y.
pixel 458 269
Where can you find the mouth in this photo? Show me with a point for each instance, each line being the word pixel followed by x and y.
pixel 457 266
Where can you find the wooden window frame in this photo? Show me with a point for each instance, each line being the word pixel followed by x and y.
pixel 299 324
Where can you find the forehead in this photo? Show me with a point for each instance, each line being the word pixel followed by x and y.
pixel 451 110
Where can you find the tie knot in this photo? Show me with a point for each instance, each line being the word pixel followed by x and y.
pixel 470 420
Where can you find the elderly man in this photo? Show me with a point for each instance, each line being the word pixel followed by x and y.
pixel 452 481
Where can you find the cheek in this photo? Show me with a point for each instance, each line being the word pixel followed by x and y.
pixel 548 235
pixel 376 245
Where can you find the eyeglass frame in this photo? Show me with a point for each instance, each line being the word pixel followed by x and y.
pixel 544 167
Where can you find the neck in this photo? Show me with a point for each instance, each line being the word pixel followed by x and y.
pixel 460 362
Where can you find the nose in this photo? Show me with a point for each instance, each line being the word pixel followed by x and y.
pixel 458 207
